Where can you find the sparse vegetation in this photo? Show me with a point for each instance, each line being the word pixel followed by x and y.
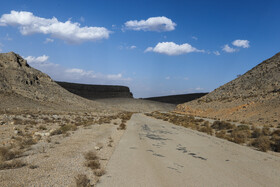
pixel 262 143
pixel 82 181
pixel 91 155
pixel 8 154
pixel 11 164
pixel 99 172
pixel 263 139
pixel 64 129
pixel 93 164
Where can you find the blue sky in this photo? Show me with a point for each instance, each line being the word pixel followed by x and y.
pixel 154 47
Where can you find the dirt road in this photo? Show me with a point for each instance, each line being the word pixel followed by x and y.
pixel 156 153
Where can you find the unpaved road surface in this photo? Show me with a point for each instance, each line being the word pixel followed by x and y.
pixel 156 153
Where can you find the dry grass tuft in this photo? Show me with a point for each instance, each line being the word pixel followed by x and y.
pixel 91 155
pixel 8 154
pixel 262 143
pixel 222 125
pixel 11 164
pixel 64 129
pixel 82 181
pixel 99 172
pixel 122 126
pixel 93 164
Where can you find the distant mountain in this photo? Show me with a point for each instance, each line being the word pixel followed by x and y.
pixel 176 99
pixel 252 97
pixel 93 92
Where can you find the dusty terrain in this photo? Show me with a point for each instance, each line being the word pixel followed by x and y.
pixel 51 137
pixel 161 154
pixel 253 97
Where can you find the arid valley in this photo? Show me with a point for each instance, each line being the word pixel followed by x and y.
pixel 51 137
pixel 150 93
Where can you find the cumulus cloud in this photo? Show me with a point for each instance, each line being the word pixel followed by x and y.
pixel 217 53
pixel 132 47
pixel 171 48
pixel 67 31
pixel 241 43
pixel 60 73
pixel 39 59
pixel 48 40
pixel 194 37
pixel 158 24
pixel 229 49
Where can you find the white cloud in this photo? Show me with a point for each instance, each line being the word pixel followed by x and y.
pixel 186 78
pixel 39 59
pixel 48 40
pixel 199 89
pixel 194 37
pixel 171 48
pixel 167 78
pixel 132 47
pixel 60 73
pixel 158 24
pixel 67 31
pixel 241 43
pixel 217 53
pixel 229 49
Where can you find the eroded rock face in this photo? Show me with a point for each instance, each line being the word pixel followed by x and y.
pixel 17 77
pixel 97 91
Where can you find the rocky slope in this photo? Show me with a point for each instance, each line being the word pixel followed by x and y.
pixel 29 87
pixel 253 97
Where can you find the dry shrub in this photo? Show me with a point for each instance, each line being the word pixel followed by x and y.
pixel 42 127
pixel 222 125
pixel 8 154
pixel 262 143
pixel 12 164
pixel 207 129
pixel 125 116
pixel 82 181
pixel 99 172
pixel 122 126
pixel 240 136
pixel 93 164
pixel 64 129
pixel 276 145
pixel 242 128
pixel 256 133
pixel 91 155
pixel 266 131
pixel 222 134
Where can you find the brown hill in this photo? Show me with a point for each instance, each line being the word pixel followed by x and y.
pixel 253 97
pixel 22 86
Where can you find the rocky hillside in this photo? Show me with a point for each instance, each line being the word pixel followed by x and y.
pixel 253 97
pixel 97 91
pixel 26 85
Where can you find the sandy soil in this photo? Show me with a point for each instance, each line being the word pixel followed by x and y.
pixel 136 105
pixel 157 153
pixel 60 161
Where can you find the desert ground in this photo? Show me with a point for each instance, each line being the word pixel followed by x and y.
pixel 53 137
pixel 148 151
